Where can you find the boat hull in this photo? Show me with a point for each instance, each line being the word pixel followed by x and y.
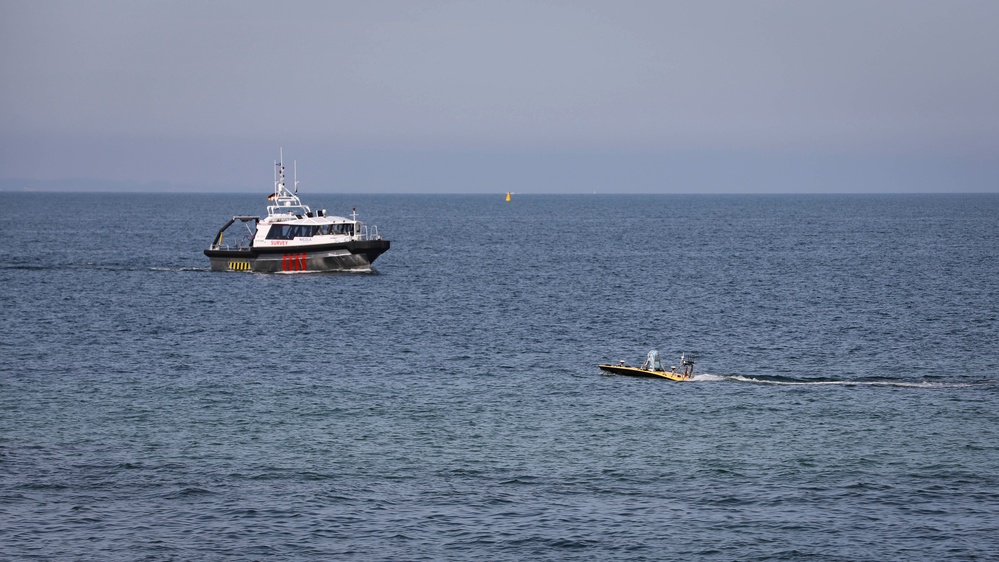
pixel 636 372
pixel 349 256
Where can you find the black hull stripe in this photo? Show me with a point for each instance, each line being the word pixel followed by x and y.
pixel 373 248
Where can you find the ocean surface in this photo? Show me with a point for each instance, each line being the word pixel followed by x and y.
pixel 448 406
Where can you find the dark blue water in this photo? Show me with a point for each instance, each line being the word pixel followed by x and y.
pixel 448 405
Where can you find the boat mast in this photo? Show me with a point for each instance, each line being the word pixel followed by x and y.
pixel 279 189
pixel 277 166
pixel 284 199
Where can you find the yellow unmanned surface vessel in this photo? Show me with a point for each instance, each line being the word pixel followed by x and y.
pixel 653 367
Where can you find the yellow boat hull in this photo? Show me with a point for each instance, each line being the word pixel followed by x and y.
pixel 636 372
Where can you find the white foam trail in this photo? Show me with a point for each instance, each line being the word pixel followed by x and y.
pixel 180 269
pixel 903 384
pixel 707 377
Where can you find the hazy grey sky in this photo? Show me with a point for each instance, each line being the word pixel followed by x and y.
pixel 468 96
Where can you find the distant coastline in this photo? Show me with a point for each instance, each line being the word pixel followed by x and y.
pixel 97 186
pixel 106 186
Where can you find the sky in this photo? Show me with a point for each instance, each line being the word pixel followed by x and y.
pixel 615 96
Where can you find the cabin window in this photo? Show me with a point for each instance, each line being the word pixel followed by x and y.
pixel 291 231
pixel 338 229
pixel 278 232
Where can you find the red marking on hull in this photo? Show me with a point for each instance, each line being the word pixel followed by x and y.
pixel 293 262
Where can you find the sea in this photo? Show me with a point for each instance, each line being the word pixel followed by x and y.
pixel 447 404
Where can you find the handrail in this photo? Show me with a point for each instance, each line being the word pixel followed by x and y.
pixel 368 233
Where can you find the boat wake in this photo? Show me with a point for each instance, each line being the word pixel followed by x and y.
pixel 702 377
pixel 101 267
pixel 789 381
pixel 356 271
pixel 174 269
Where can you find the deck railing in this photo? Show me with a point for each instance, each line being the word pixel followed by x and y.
pixel 369 233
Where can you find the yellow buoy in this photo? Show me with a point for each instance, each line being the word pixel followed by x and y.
pixel 507 195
